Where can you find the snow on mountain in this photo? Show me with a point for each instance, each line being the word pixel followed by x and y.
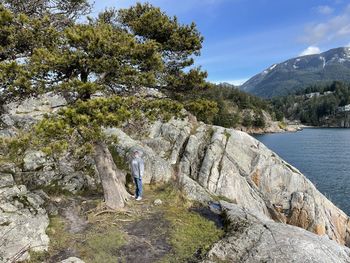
pixel 290 75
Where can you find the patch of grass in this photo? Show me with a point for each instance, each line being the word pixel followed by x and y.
pixel 37 257
pixel 191 235
pixel 59 241
pixel 101 244
pixel 59 237
pixel 223 198
pixel 227 134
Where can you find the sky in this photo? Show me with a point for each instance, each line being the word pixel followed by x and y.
pixel 244 37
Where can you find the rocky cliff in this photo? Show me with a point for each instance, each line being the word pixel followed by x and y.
pixel 252 238
pixel 266 198
pixel 216 163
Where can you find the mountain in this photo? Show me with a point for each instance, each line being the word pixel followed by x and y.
pixel 293 74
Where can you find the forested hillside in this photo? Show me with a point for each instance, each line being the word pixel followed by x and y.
pixel 227 106
pixel 315 105
pixel 287 77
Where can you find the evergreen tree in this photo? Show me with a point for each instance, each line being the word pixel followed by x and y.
pixel 117 53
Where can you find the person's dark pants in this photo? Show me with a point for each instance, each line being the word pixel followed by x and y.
pixel 138 184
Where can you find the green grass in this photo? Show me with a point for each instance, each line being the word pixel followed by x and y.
pixel 59 240
pixel 101 244
pixel 191 235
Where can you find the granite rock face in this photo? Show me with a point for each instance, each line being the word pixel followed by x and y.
pixel 255 238
pixel 209 163
pixel 157 169
pixel 66 173
pixel 28 112
pixel 22 221
pixel 224 163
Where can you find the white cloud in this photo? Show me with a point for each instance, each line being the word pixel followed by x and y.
pixel 334 28
pixel 236 82
pixel 310 51
pixel 324 9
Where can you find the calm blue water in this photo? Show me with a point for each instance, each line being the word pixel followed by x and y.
pixel 322 155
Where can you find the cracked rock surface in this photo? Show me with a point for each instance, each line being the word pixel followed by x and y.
pixel 214 162
pixel 22 221
pixel 210 163
pixel 256 238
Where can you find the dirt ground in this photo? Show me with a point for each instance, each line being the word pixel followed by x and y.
pixel 143 232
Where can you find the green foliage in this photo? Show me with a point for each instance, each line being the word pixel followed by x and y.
pixel 96 56
pixel 101 245
pixel 60 12
pixel 230 103
pixel 150 22
pixel 13 148
pixel 259 121
pixel 106 55
pixel 315 103
pixel 186 236
pixel 247 121
pixel 204 110
pixel 85 119
pixel 178 43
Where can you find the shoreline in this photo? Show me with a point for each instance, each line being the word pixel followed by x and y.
pixel 275 127
pixel 289 128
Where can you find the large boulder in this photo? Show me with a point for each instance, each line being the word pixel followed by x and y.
pixel 29 111
pixel 67 172
pixel 252 237
pixel 157 169
pixel 22 221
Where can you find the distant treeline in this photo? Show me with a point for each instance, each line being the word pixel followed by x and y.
pixel 227 106
pixel 313 104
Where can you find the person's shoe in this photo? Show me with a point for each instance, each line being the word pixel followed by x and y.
pixel 139 198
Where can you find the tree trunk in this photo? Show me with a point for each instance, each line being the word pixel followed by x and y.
pixel 111 177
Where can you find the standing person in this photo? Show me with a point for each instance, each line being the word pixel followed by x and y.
pixel 137 170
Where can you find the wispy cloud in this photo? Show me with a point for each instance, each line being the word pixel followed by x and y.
pixel 334 28
pixel 236 82
pixel 310 51
pixel 324 9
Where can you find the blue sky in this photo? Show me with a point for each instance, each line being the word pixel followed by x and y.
pixel 243 37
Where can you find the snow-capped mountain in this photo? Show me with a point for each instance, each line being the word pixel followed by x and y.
pixel 296 73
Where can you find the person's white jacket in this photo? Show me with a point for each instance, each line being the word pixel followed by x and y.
pixel 137 167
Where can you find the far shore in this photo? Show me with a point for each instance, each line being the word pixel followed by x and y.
pixel 290 128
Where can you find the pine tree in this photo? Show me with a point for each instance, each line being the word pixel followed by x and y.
pixel 145 48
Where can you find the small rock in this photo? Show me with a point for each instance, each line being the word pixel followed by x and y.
pixel 34 160
pixel 6 180
pixel 7 120
pixel 158 202
pixel 57 199
pixel 72 260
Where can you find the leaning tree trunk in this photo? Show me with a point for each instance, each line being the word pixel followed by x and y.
pixel 111 177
